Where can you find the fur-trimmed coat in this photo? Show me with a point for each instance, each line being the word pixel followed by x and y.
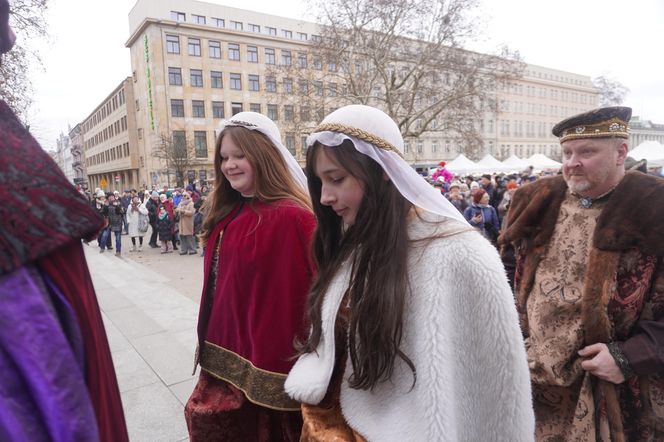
pixel 461 332
pixel 623 298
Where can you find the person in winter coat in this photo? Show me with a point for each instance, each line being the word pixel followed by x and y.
pixel 116 215
pixel 165 229
pixel 138 220
pixel 482 216
pixel 152 205
pixel 186 212
pixel 166 200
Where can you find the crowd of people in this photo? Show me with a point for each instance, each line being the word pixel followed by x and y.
pixel 170 218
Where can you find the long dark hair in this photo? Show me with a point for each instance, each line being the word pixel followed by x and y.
pixel 272 179
pixel 378 244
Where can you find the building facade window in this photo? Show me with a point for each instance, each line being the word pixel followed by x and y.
pixel 269 56
pixel 236 108
pixel 196 77
pixel 305 113
pixel 289 113
pixel 177 108
pixel 286 58
pixel 195 47
pixel 237 25
pixel 332 89
pixel 287 33
pixel 174 76
pixel 255 107
pixel 218 109
pixel 302 60
pixel 198 108
pixel 172 44
pixel 252 54
pixel 318 87
pixel 254 83
pixel 216 80
pixel 302 36
pixel 218 22
pixel 254 28
pixel 316 38
pixel 233 51
pixel 198 19
pixel 272 112
pixel 271 31
pixel 178 16
pixel 270 84
pixel 200 144
pixel 288 85
pixel 180 143
pixel 214 49
pixel 303 85
pixel 290 143
pixel 236 82
pixel 318 64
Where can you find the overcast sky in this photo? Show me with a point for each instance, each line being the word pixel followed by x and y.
pixel 85 58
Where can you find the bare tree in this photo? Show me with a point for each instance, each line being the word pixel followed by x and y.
pixel 26 18
pixel 611 91
pixel 177 155
pixel 407 57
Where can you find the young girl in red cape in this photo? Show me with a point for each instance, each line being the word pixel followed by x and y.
pixel 258 272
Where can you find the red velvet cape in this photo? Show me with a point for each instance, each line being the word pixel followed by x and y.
pixel 264 273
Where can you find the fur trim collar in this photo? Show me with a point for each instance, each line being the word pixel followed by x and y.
pixel 632 218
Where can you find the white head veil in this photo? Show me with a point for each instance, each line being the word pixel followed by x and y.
pixel 262 124
pixel 376 135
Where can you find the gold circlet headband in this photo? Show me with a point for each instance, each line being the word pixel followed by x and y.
pixel 358 133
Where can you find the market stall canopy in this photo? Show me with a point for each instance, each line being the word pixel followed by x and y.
pixel 542 162
pixel 461 165
pixel 652 151
pixel 515 163
pixel 491 164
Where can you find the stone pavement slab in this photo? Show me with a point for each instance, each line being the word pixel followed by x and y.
pixel 151 328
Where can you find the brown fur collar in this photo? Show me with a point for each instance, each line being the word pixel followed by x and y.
pixel 632 218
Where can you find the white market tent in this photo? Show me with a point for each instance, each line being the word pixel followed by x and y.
pixel 652 151
pixel 461 165
pixel 542 162
pixel 491 164
pixel 515 163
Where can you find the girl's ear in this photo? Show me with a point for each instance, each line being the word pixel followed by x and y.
pixel 385 177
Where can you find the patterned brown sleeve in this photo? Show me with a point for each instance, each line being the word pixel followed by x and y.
pixel 643 349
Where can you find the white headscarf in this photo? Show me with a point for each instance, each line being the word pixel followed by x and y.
pixel 376 135
pixel 262 124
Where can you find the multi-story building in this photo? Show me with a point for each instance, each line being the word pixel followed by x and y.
pixel 64 156
pixel 531 106
pixel 644 130
pixel 78 156
pixel 108 133
pixel 195 63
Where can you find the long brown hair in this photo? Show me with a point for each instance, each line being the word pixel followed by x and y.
pixel 272 179
pixel 378 243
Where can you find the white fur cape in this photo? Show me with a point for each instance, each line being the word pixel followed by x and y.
pixel 461 332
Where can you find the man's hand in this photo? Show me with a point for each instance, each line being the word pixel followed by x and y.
pixel 600 363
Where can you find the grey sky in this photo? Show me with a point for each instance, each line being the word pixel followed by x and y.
pixel 85 58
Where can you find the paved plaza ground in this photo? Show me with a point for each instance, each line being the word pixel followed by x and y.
pixel 149 303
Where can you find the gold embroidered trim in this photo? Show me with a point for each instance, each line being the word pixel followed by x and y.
pixel 612 128
pixel 262 387
pixel 358 133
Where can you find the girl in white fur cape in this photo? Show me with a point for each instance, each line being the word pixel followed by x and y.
pixel 414 331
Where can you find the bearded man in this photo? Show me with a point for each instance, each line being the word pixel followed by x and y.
pixel 589 287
